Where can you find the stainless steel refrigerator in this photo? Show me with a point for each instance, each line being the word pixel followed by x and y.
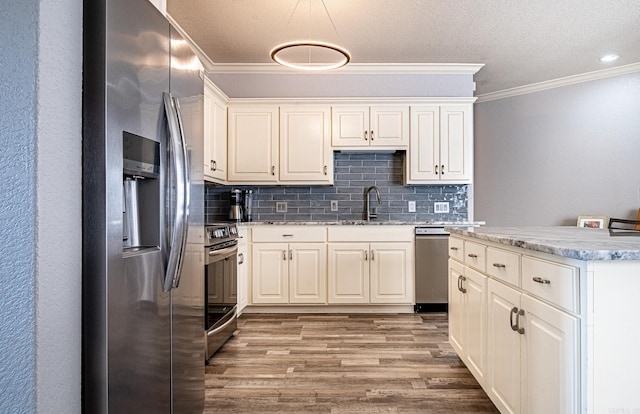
pixel 143 205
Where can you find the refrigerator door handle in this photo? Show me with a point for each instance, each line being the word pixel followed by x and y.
pixel 182 197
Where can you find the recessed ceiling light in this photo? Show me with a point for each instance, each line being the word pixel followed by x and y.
pixel 609 58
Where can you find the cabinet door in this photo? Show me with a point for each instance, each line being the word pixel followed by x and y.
pixel 348 273
pixel 389 126
pixel 218 138
pixel 391 273
pixel 305 146
pixel 456 142
pixel 456 307
pixel 208 132
pixel 424 144
pixel 550 359
pixel 243 270
pixel 253 144
pixel 350 126
pixel 475 323
pixel 270 279
pixel 307 273
pixel 503 348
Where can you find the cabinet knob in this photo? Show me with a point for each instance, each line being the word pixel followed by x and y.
pixel 366 137
pixel 371 134
pixel 325 170
pixel 436 170
pixel 273 170
pixel 442 170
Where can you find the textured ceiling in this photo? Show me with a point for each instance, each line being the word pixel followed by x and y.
pixel 521 42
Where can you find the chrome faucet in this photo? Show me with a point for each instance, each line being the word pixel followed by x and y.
pixel 370 213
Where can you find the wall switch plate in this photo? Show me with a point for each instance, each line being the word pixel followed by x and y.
pixel 412 206
pixel 334 205
pixel 442 207
pixel 281 206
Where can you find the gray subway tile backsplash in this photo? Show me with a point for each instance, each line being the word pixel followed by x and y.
pixel 353 173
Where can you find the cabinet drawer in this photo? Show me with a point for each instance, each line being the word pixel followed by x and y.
pixel 371 233
pixel 554 282
pixel 289 234
pixel 456 249
pixel 503 265
pixel 475 255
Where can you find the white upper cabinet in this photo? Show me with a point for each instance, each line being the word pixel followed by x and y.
pixel 305 144
pixel 362 126
pixel 253 144
pixel 440 148
pixel 215 135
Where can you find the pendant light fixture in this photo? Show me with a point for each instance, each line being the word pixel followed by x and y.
pixel 308 54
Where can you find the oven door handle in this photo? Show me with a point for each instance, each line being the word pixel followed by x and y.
pixel 224 325
pixel 222 253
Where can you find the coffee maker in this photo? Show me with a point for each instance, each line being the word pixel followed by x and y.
pixel 235 208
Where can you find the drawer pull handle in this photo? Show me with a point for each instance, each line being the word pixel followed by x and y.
pixel 462 279
pixel 541 280
pixel 284 255
pixel 473 256
pixel 366 255
pixel 290 254
pixel 455 249
pixel 514 311
pixel 366 136
pixel 287 235
pixel 499 265
pixel 519 329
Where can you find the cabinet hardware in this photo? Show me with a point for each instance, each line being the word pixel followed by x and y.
pixel 541 280
pixel 287 235
pixel 290 254
pixel 366 137
pixel 436 170
pixel 459 283
pixel 461 280
pixel 520 313
pixel 325 170
pixel 240 258
pixel 499 265
pixel 213 165
pixel 284 255
pixel 473 256
pixel 442 170
pixel 455 249
pixel 371 134
pixel 514 311
pixel 373 255
pixel 273 170
pixel 366 255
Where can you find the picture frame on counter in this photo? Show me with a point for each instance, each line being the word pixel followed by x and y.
pixel 593 222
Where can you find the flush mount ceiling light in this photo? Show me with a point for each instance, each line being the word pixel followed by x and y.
pixel 609 58
pixel 313 55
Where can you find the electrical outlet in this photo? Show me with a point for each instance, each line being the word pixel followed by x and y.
pixel 334 205
pixel 442 207
pixel 281 206
pixel 412 206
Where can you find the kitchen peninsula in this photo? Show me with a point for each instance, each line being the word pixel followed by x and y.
pixel 543 317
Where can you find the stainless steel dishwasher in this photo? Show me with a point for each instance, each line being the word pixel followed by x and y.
pixel 431 270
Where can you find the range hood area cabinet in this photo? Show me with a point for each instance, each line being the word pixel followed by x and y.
pixel 364 127
pixel 440 145
pixel 272 144
pixel 215 134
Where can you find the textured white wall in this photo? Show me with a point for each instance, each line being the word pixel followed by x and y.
pixel 59 207
pixel 547 157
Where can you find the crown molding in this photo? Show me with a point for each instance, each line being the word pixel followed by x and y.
pixel 560 82
pixel 206 62
pixel 354 68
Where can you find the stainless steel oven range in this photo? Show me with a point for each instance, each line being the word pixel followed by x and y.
pixel 221 298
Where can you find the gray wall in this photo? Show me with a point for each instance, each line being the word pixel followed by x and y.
pixel 547 157
pixel 293 85
pixel 40 260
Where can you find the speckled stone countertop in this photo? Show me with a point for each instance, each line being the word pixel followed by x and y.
pixel 574 242
pixel 365 223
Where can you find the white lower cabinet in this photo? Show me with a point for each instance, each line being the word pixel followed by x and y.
pixel 244 261
pixel 289 273
pixel 467 317
pixel 370 273
pixel 523 348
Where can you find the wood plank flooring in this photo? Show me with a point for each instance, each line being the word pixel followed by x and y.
pixel 356 363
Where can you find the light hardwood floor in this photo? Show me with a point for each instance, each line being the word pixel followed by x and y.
pixel 357 363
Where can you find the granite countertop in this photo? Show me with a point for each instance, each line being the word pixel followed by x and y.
pixel 465 224
pixel 574 242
